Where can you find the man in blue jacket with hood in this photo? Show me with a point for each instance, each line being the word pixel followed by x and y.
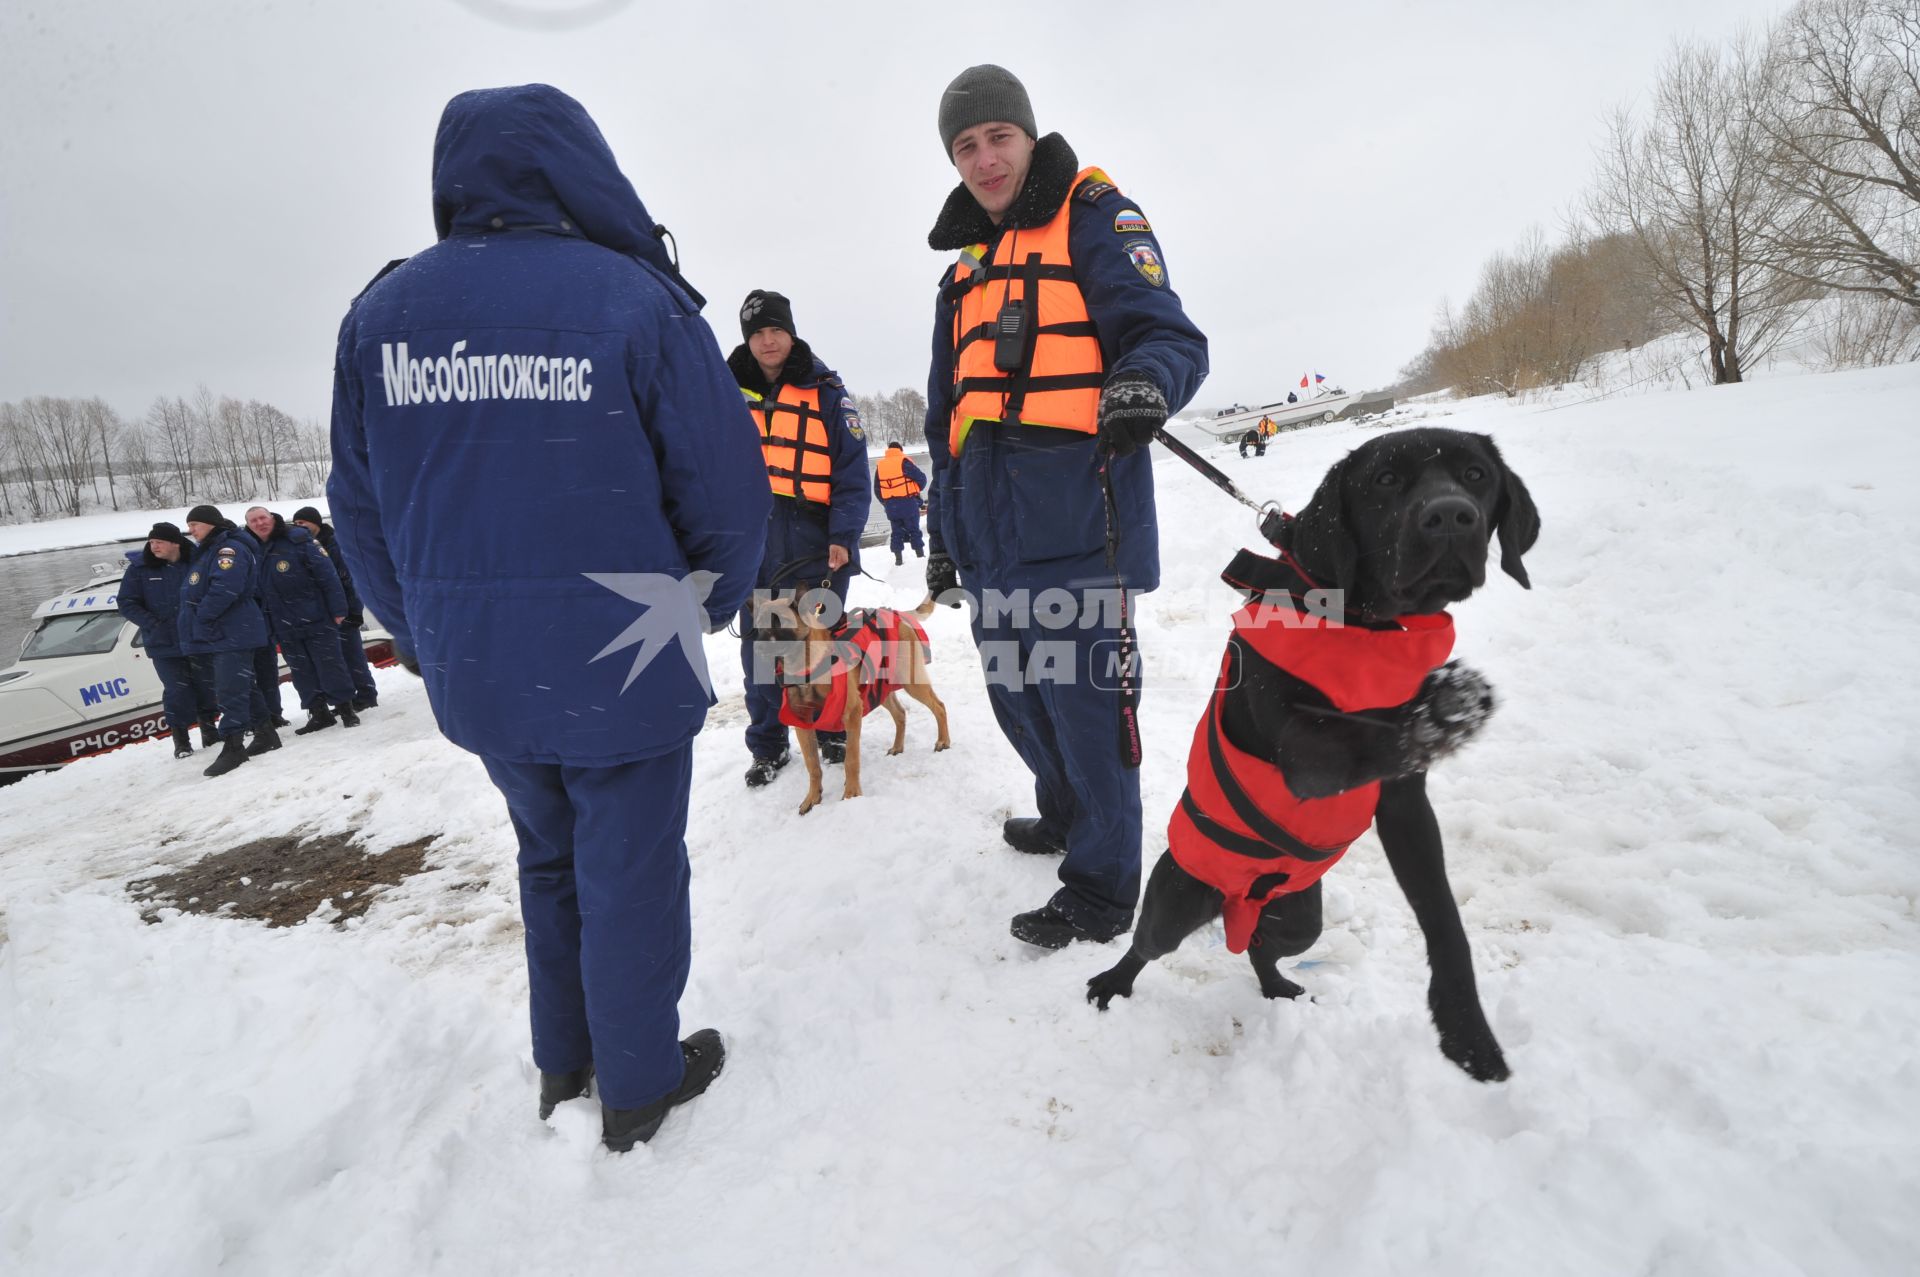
pixel 549 489
pixel 1059 347
pixel 150 597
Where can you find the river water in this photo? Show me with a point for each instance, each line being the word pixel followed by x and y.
pixel 28 580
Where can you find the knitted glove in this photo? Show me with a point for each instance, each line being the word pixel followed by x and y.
pixel 942 576
pixel 1131 409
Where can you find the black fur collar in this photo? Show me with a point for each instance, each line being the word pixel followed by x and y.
pixel 797 371
pixel 1049 181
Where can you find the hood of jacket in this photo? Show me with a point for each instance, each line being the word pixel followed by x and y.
pixel 529 157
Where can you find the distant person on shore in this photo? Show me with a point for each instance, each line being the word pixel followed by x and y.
pixel 150 597
pixel 900 484
pixel 220 618
pixel 366 692
pixel 549 489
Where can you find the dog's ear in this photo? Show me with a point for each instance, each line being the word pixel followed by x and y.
pixel 1516 520
pixel 1320 539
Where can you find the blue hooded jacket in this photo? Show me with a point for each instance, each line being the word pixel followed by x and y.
pixel 218 612
pixel 533 399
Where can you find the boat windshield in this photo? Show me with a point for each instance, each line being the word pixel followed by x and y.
pixel 75 634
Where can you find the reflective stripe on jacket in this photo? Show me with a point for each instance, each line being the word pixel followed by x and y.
pixel 793 440
pixel 1059 378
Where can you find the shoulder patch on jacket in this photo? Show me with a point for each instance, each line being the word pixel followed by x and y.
pixel 851 418
pixel 1095 188
pixel 1131 221
pixel 1145 260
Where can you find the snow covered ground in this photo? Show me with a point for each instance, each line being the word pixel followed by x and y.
pixel 1684 850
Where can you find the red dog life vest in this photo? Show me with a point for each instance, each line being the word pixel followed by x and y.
pixel 1237 821
pixel 872 648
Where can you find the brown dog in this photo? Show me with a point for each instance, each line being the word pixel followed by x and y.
pixel 831 679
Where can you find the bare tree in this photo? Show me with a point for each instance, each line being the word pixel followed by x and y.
pixel 1692 188
pixel 106 429
pixel 62 446
pixel 1846 125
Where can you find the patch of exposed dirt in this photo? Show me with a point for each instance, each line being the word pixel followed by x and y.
pixel 281 881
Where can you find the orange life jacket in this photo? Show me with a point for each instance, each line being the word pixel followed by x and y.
pixel 793 441
pixel 1059 384
pixel 892 473
pixel 1238 822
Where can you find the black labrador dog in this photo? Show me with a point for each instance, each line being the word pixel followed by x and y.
pixel 1400 528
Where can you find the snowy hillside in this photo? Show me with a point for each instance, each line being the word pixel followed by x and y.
pixel 1685 852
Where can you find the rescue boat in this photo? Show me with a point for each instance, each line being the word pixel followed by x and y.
pixel 84 684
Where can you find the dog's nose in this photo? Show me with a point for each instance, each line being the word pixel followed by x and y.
pixel 1449 517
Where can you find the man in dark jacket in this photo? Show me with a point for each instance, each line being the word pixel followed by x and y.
pixel 815 452
pixel 366 693
pixel 549 489
pixel 150 598
pixel 1059 348
pixel 305 605
pixel 220 619
pixel 900 483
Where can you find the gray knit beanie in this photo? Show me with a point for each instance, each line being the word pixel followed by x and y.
pixel 981 94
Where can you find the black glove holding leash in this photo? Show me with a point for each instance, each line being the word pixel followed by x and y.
pixel 942 576
pixel 1131 409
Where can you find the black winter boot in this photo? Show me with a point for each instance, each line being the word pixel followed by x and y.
pixel 765 769
pixel 705 1053
pixel 1048 928
pixel 208 737
pixel 898 559
pixel 182 743
pixel 347 717
pixel 557 1088
pixel 265 740
pixel 1029 834
pixel 833 750
pixel 319 718
pixel 232 754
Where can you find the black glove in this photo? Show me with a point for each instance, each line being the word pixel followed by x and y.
pixel 1131 409
pixel 942 576
pixel 356 619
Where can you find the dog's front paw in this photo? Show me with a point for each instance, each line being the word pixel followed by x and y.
pixel 1453 704
pixel 851 791
pixel 811 801
pixel 1466 1039
pixel 1114 983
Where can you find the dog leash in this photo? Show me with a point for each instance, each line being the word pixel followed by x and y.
pixel 1272 517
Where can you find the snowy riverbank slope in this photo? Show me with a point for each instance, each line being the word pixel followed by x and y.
pixel 1685 853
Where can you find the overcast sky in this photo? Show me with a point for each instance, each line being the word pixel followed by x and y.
pixel 192 191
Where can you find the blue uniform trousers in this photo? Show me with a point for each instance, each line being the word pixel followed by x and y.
pixel 766 734
pixel 903 514
pixel 1055 696
pixel 354 653
pixel 266 679
pixel 186 690
pixel 242 708
pixel 603 892
pixel 313 658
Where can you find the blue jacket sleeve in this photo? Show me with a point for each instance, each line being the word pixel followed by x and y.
pixel 914 473
pixel 713 480
pixel 133 601
pixel 939 413
pixel 1142 326
pixel 852 488
pixel 350 499
pixel 320 565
